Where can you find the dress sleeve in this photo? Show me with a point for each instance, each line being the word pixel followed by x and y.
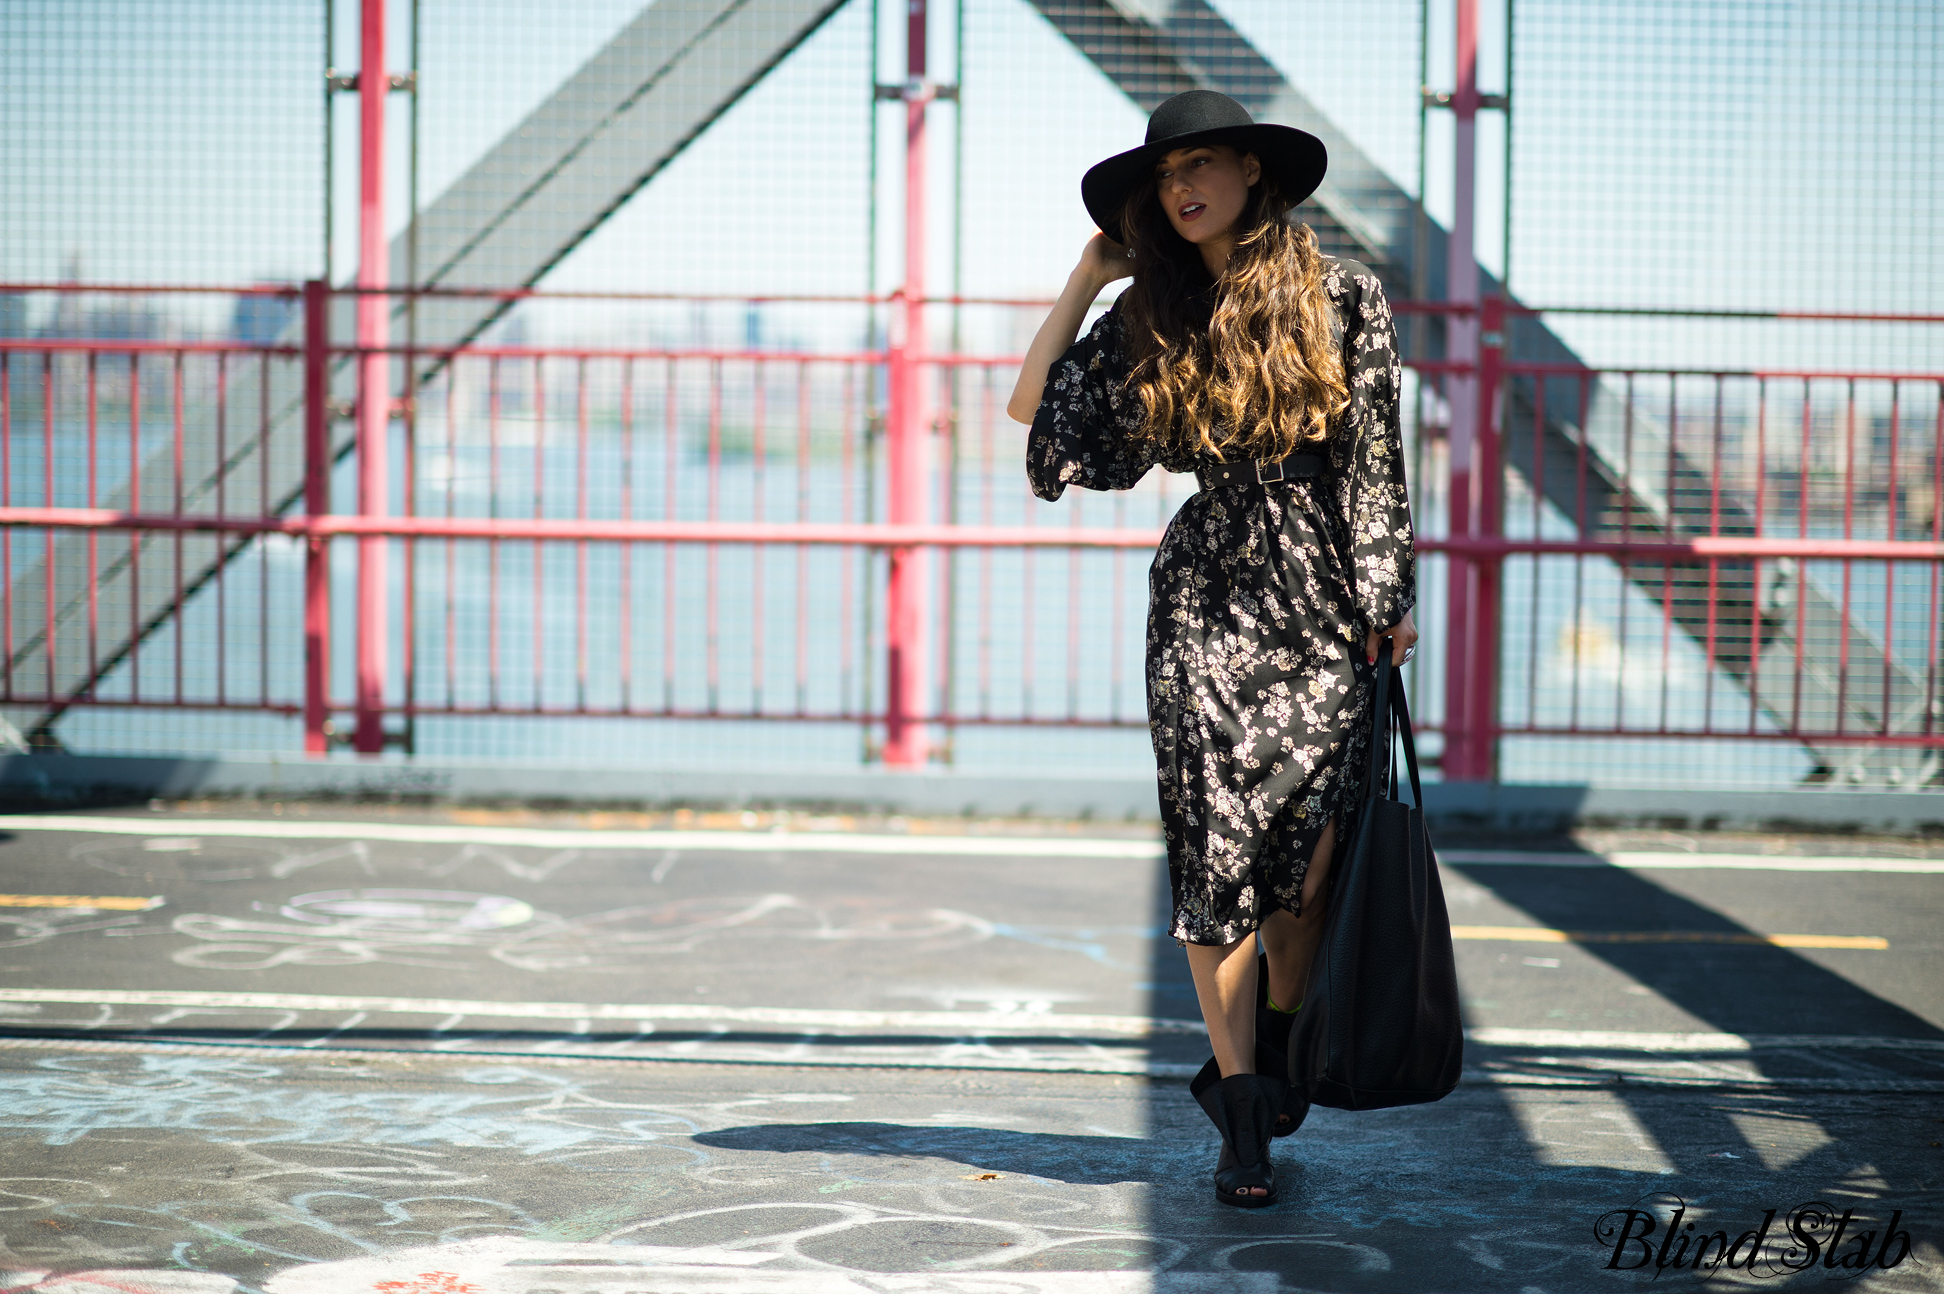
pixel 1378 506
pixel 1085 431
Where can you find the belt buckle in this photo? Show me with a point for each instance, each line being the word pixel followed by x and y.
pixel 1261 479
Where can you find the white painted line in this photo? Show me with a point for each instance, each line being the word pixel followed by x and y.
pixel 855 842
pixel 952 1023
pixel 751 842
pixel 505 1263
pixel 957 1024
pixel 1632 860
pixel 1610 1071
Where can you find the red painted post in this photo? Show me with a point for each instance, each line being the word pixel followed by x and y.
pixel 1463 714
pixel 907 593
pixel 374 374
pixel 317 502
pixel 1482 656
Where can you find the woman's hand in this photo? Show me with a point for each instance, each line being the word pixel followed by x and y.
pixel 1101 263
pixel 1103 260
pixel 1403 636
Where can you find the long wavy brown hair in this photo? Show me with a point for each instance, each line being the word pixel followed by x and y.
pixel 1245 365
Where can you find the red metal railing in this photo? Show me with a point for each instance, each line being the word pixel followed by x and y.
pixel 716 532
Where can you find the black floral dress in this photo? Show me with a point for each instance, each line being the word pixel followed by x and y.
pixel 1260 597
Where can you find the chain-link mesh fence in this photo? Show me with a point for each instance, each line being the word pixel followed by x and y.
pixel 699 183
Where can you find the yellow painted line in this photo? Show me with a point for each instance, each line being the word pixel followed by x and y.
pixel 1540 935
pixel 107 902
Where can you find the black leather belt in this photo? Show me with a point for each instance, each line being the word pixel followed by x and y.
pixel 1297 467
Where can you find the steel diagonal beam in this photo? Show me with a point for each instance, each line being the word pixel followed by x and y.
pixel 609 129
pixel 1151 49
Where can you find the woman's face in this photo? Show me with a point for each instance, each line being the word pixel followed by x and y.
pixel 1204 189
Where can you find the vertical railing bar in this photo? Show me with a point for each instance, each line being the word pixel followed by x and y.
pixel 1626 535
pixel 671 429
pixel 1667 563
pixel 134 538
pixel 1538 525
pixel 263 544
pixel 537 410
pixel 408 491
pixel 1801 566
pixel 1421 499
pixel 987 435
pixel 493 410
pixel 314 452
pixel 949 381
pixel 625 557
pixel 176 401
pixel 1027 565
pixel 451 384
pixel 1849 532
pixel 1936 568
pixel 48 643
pixel 580 546
pixel 94 563
pixel 222 509
pixel 802 553
pixel 1579 561
pixel 874 427
pixel 48 457
pixel 848 570
pixel 712 552
pixel 1761 529
pixel 1714 566
pixel 1493 423
pixel 1890 568
pixel 757 412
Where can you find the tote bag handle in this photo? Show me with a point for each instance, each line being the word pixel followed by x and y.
pixel 1401 730
pixel 1390 720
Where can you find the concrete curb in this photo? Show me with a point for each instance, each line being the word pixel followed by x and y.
pixel 72 781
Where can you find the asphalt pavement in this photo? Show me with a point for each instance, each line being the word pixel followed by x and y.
pixel 318 1048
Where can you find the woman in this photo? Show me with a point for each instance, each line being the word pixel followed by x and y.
pixel 1242 354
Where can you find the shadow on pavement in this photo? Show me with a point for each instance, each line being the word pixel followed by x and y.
pixel 1739 989
pixel 1469 1193
pixel 1060 1157
pixel 1748 988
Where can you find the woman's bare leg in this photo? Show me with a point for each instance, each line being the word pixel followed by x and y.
pixel 1290 941
pixel 1225 981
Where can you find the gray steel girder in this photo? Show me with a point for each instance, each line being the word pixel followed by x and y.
pixel 609 129
pixel 1155 48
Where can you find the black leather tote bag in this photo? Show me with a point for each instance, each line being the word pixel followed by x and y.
pixel 1380 1024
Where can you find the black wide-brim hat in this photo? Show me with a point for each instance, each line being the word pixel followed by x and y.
pixel 1294 159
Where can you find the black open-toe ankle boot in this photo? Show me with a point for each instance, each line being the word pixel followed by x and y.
pixel 1292 1100
pixel 1292 1103
pixel 1243 1109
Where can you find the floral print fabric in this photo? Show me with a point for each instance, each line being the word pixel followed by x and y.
pixel 1259 601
